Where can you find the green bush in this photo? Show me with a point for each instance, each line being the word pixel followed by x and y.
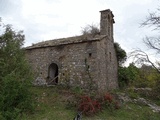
pixel 16 97
pixel 127 75
pixel 15 76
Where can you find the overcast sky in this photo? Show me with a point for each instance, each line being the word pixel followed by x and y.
pixel 50 19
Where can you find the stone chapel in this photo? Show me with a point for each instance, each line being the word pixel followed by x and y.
pixel 84 61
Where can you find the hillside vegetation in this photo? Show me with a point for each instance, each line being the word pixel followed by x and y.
pixel 53 103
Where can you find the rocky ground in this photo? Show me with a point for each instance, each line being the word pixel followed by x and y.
pixel 142 101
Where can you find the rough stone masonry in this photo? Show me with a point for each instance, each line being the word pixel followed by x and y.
pixel 85 61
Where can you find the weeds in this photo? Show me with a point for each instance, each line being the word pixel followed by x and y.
pixel 88 106
pixel 91 106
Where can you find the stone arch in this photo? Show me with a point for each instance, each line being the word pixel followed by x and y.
pixel 52 74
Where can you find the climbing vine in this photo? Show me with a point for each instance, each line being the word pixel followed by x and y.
pixel 90 80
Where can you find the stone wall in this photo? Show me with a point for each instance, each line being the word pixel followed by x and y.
pixel 112 65
pixel 107 65
pixel 72 61
pixel 86 64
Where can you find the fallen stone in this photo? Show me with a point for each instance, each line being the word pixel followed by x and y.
pixel 39 82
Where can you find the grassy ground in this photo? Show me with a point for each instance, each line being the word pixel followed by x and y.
pixel 52 105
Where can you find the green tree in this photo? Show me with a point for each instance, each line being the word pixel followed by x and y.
pixel 15 75
pixel 148 76
pixel 153 43
pixel 128 75
pixel 120 53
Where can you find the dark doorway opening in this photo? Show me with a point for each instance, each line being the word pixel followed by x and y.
pixel 53 74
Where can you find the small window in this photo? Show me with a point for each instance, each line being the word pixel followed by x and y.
pixel 108 17
pixel 109 31
pixel 90 54
pixel 110 56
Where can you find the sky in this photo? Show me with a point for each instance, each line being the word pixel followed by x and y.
pixel 51 19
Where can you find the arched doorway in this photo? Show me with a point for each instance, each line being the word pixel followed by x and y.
pixel 53 74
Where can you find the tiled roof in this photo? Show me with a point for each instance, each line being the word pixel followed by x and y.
pixel 66 41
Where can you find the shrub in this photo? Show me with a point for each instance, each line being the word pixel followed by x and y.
pixel 127 75
pixel 156 90
pixel 92 30
pixel 15 76
pixel 15 97
pixel 108 97
pixel 88 106
pixel 109 102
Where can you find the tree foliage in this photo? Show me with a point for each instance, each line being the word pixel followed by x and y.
pixel 144 76
pixel 148 76
pixel 127 75
pixel 120 53
pixel 15 75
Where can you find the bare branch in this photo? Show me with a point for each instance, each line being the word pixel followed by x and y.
pixel 91 30
pixel 152 20
pixel 140 57
pixel 153 43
